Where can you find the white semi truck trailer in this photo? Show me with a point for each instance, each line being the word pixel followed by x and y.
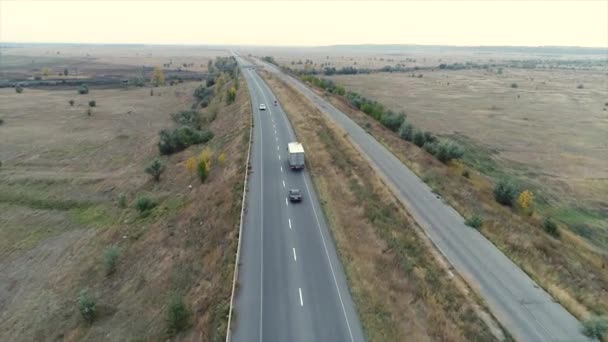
pixel 296 155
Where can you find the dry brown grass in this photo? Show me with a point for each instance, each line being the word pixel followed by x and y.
pixel 570 269
pixel 401 292
pixel 61 178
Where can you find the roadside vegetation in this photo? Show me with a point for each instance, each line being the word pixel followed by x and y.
pixel 151 248
pixel 399 285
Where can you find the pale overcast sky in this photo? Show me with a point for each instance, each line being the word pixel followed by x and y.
pixel 580 23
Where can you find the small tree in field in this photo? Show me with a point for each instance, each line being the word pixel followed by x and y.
pixel 525 200
pixel 87 306
pixel 19 89
pixel 202 171
pixel 155 169
pixel 92 103
pixel 71 103
pixel 158 77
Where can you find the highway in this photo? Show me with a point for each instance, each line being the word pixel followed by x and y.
pixel 291 285
pixel 522 307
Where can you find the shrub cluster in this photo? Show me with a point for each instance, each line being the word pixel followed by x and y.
pixel 188 118
pixel 596 327
pixel 178 315
pixel 144 204
pixel 204 93
pixel 324 84
pixel 19 89
pixel 505 192
pixel 180 138
pixel 83 89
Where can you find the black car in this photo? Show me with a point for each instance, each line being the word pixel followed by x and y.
pixel 295 195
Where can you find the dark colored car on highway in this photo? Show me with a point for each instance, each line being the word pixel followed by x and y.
pixel 295 195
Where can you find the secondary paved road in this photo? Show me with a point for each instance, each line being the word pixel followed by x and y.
pixel 525 309
pixel 291 284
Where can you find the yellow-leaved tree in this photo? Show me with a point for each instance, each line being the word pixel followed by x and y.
pixel 158 77
pixel 205 157
pixel 526 201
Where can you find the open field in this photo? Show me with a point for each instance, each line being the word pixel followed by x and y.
pixel 546 132
pixel 401 290
pixel 69 183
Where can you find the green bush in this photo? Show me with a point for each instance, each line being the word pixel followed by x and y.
pixel 550 227
pixel 513 85
pixel 155 169
pixel 92 103
pixel 180 138
pixel 595 327
pixel 144 204
pixel 448 150
pixel 71 103
pixel 466 174
pixel 474 221
pixel 505 192
pixel 419 139
pixel 84 89
pixel 178 315
pixel 110 259
pixel 87 306
pixel 430 147
pixel 203 93
pixel 392 120
pixel 188 118
pixel 19 89
pixel 1 122
pixel 406 131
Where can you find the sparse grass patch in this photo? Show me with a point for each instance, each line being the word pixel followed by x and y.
pixel 110 259
pixel 474 221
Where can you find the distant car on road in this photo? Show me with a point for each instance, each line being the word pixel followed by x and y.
pixel 262 106
pixel 295 195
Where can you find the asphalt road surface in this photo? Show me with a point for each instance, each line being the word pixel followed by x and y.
pixel 291 284
pixel 523 308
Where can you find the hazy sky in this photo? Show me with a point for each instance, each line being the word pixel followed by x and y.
pixel 582 23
